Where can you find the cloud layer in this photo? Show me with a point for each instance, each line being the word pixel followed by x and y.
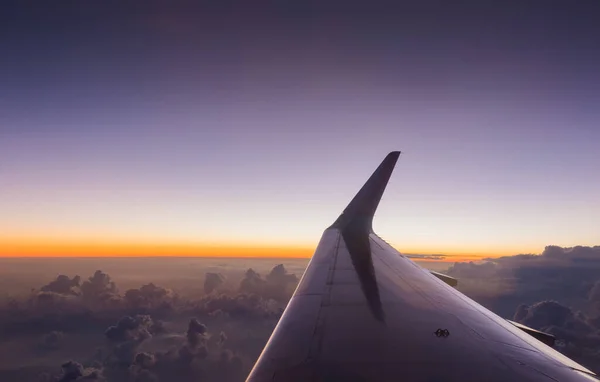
pixel 150 333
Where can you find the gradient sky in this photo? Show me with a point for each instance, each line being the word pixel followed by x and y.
pixel 168 128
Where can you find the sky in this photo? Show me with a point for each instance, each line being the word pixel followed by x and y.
pixel 190 128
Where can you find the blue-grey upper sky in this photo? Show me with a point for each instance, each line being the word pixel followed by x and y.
pixel 185 122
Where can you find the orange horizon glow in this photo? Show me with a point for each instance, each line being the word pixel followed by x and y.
pixel 94 248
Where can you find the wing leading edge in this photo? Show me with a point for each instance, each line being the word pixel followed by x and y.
pixel 364 312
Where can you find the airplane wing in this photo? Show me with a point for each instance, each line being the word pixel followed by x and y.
pixel 364 312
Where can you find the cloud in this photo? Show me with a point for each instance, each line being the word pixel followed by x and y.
pixel 99 289
pixel 557 291
pixel 574 329
pixel 544 314
pixel 75 372
pixel 150 297
pixel 280 276
pixel 213 281
pixel 241 306
pixel 144 360
pixel 144 375
pixel 130 329
pixel 562 274
pixel 222 338
pixel 472 270
pixel 594 295
pixel 196 333
pixel 252 282
pixel 137 346
pixel 278 284
pixel 193 360
pixel 52 340
pixel 425 257
pixel 63 285
pixel 521 313
pixel 71 371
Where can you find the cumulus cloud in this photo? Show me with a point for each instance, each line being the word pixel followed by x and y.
pixel 552 256
pixel 144 360
pixel 71 371
pixel 63 285
pixel 594 295
pixel 137 346
pixel 52 340
pixel 473 270
pixel 212 281
pixel 278 284
pixel 501 284
pixel 280 276
pixel 241 306
pixel 193 360
pixel 75 372
pixel 130 329
pixel 543 288
pixel 222 338
pixel 252 282
pixel 150 297
pixel 196 333
pixel 574 329
pixel 544 314
pixel 100 289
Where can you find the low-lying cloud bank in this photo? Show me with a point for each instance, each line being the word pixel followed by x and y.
pixel 148 333
pixel 86 329
pixel 557 273
pixel 557 291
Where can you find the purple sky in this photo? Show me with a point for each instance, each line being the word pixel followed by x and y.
pixel 201 124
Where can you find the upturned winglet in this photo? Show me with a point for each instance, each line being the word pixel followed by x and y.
pixel 361 209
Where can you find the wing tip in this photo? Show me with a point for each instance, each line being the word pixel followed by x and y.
pixel 364 204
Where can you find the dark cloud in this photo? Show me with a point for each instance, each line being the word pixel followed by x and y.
pixel 558 255
pixel 242 306
pixel 52 340
pixel 521 313
pixel 100 289
pixel 97 306
pixel 63 285
pixel 501 284
pixel 194 360
pixel 280 276
pixel 139 347
pixel 557 291
pixel 144 375
pixel 577 334
pixel 278 284
pixel 473 270
pixel 150 297
pixel 196 333
pixel 229 367
pixel 75 372
pixel 222 338
pixel 144 360
pixel 544 314
pixel 594 295
pixel 49 302
pixel 71 371
pixel 130 329
pixel 125 339
pixel 252 282
pixel 213 281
